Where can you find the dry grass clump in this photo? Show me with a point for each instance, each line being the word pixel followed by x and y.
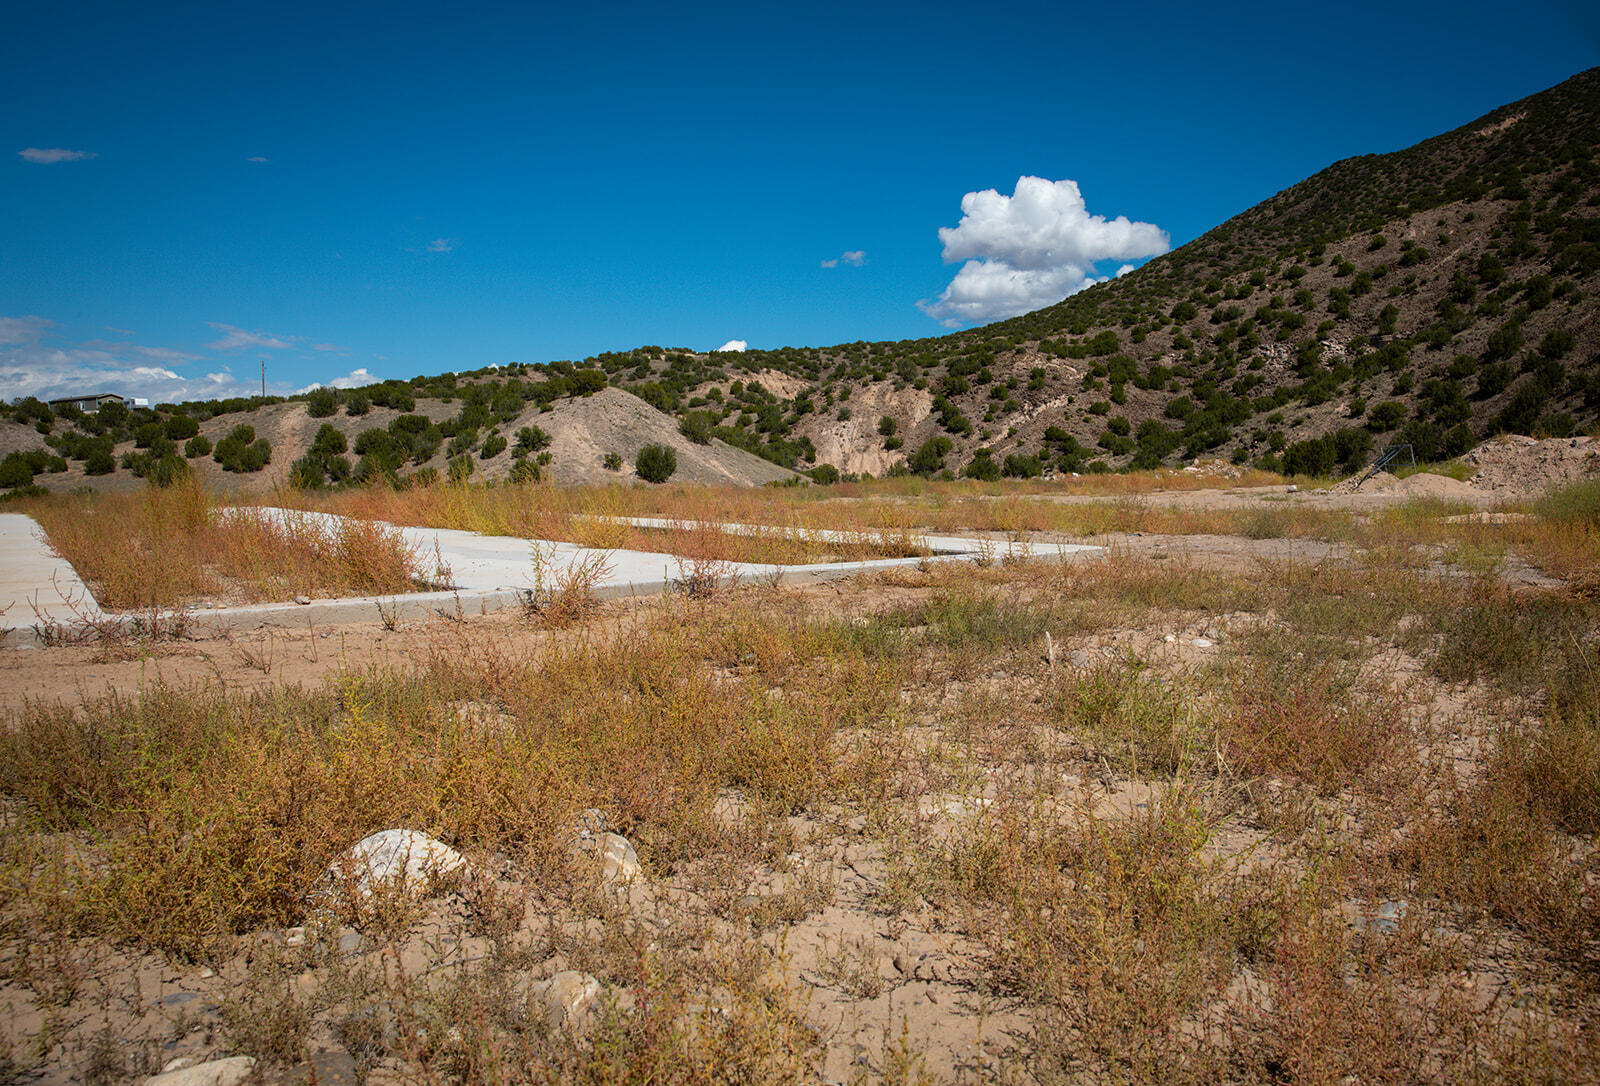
pixel 162 548
pixel 212 813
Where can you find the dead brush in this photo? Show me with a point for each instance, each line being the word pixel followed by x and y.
pixel 564 594
pixel 168 547
pixel 1299 715
pixel 268 1018
pixel 702 559
pixel 1144 723
pixel 1116 928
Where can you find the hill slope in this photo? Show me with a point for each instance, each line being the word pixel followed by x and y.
pixel 1436 296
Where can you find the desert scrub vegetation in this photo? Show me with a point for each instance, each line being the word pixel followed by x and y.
pixel 1305 820
pixel 167 547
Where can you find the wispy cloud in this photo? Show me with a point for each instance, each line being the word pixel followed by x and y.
pixel 234 339
pixel 47 156
pixel 852 258
pixel 258 158
pixel 1032 249
pixel 442 245
pixel 169 355
pixel 15 330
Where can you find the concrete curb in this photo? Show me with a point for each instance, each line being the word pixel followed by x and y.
pixel 488 559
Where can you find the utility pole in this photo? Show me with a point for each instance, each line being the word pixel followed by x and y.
pixel 263 378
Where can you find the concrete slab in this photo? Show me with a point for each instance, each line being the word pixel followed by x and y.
pixel 36 585
pixel 491 573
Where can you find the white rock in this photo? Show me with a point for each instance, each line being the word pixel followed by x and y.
pixel 568 997
pixel 1202 642
pixel 619 864
pixel 302 600
pixel 414 860
pixel 228 1072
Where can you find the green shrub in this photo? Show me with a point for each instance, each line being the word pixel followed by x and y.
pixel 532 439
pixel 586 382
pixel 930 457
pixel 241 451
pixel 15 471
pixel 1314 457
pixel 322 402
pixel 1386 416
pixel 181 427
pixel 982 466
pixel 655 463
pixel 697 426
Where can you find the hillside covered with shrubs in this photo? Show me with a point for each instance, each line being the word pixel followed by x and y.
pixel 1434 296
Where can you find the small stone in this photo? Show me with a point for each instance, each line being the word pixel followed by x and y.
pixel 228 1072
pixel 1386 920
pixel 1078 658
pixel 350 942
pixel 1202 642
pixel 302 600
pixel 1171 639
pixel 1292 489
pixel 590 824
pixel 569 998
pixel 294 936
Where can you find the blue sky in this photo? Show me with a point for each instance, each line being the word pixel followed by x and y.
pixel 351 191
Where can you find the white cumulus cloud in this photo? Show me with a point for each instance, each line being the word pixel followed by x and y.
pixel 1032 249
pixel 734 345
pixel 46 156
